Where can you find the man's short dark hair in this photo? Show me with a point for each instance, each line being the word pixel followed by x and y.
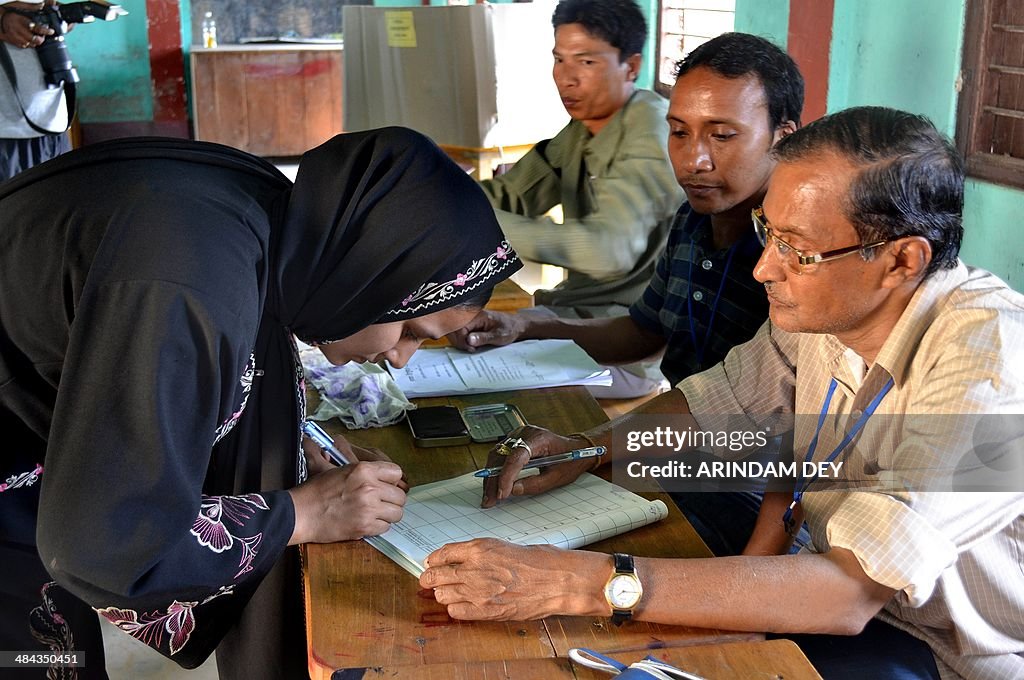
pixel 911 181
pixel 734 55
pixel 620 23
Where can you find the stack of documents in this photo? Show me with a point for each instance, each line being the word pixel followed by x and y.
pixel 521 365
pixel 588 510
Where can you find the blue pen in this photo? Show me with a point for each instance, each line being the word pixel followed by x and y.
pixel 590 452
pixel 324 441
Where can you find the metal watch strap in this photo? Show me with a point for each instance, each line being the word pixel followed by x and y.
pixel 623 565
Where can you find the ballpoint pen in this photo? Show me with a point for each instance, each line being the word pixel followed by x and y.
pixel 324 441
pixel 590 452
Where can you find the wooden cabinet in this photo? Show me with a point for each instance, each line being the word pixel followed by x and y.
pixel 269 100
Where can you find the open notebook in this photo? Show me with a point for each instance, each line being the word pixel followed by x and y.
pixel 588 510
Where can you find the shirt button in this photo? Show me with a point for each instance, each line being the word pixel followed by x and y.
pixel 698 295
pixel 706 264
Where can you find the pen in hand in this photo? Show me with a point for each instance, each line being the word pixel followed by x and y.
pixel 324 441
pixel 590 452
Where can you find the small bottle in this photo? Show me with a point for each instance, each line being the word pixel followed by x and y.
pixel 209 30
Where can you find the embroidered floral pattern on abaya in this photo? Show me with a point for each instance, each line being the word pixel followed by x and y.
pixel 210 527
pixel 50 628
pixel 246 382
pixel 24 479
pixel 178 622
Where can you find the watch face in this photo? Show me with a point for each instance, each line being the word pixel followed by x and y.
pixel 623 591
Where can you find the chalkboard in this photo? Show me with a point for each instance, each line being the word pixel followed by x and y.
pixel 237 19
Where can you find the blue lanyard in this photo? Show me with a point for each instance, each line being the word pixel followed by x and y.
pixel 798 493
pixel 700 347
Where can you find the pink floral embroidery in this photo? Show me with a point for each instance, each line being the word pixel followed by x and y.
pixel 246 382
pixel 209 526
pixel 24 479
pixel 178 621
pixel 250 546
pixel 49 627
pixel 431 294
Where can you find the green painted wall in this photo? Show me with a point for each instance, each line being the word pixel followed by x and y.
pixel 766 18
pixel 992 217
pixel 112 58
pixel 645 78
pixel 902 54
pixel 907 55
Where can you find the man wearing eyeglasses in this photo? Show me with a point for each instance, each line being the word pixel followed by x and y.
pixel 894 360
pixel 735 96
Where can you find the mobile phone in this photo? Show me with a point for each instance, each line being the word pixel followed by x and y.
pixel 437 426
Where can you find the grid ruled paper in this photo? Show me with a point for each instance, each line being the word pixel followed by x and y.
pixel 588 510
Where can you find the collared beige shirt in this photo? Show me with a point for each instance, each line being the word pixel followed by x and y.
pixel 953 417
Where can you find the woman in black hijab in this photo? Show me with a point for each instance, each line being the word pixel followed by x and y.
pixel 151 397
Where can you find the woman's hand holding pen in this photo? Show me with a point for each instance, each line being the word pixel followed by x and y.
pixel 540 443
pixel 317 459
pixel 346 503
pixel 362 498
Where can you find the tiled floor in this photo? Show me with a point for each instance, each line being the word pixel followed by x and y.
pixel 129 659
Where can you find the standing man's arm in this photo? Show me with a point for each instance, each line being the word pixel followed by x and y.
pixel 611 340
pixel 532 186
pixel 638 193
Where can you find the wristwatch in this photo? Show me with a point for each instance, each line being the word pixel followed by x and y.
pixel 623 589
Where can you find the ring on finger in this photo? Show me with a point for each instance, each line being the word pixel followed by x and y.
pixel 31 25
pixel 27 45
pixel 509 443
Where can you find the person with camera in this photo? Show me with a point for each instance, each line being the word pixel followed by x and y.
pixel 33 117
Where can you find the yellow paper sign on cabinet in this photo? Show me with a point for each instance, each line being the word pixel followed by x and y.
pixel 401 29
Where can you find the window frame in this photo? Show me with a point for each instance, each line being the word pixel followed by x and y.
pixel 974 87
pixel 663 89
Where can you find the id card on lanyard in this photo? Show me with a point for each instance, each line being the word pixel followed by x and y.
pixel 798 493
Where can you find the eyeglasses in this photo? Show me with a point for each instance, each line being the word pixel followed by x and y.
pixel 794 258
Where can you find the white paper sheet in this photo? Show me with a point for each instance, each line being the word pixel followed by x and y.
pixel 521 365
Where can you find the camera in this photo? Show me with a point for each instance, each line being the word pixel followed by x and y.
pixel 52 53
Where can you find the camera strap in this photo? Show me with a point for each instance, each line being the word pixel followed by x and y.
pixel 69 94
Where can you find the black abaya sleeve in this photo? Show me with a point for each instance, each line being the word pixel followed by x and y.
pixel 123 524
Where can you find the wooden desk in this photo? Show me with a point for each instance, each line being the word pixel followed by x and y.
pixel 768 659
pixel 484 160
pixel 508 296
pixel 362 610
